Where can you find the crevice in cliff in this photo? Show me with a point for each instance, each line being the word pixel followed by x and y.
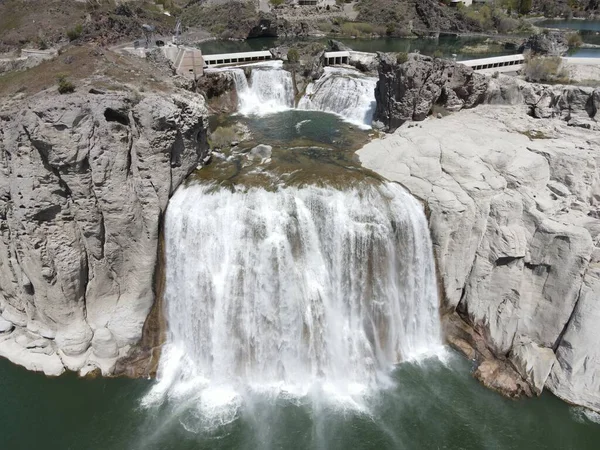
pixel 43 151
pixel 570 319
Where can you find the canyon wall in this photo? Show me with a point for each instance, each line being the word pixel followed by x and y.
pixel 84 182
pixel 513 195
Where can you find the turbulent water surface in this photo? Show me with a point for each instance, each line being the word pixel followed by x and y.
pixel 344 92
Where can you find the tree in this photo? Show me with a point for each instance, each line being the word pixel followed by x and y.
pixel 293 56
pixel 525 6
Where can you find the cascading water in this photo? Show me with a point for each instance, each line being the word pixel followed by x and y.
pixel 301 291
pixel 343 92
pixel 270 89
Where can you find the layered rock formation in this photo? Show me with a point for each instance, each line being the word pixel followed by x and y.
pixel 513 209
pixel 85 180
pixel 550 43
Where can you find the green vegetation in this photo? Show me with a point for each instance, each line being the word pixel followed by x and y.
pixel 293 56
pixel 545 70
pixel 276 2
pixel 75 33
pixel 232 20
pixel 64 85
pixel 438 54
pixel 401 57
pixel 575 39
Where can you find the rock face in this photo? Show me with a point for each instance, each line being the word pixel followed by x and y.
pixel 85 180
pixel 409 90
pixel 416 88
pixel 550 43
pixel 513 204
pixel 576 105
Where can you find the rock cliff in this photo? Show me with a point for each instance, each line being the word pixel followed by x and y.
pixel 408 90
pixel 413 89
pixel 85 180
pixel 513 204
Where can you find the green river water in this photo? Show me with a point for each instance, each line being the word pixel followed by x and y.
pixel 432 405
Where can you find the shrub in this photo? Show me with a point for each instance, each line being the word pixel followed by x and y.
pixel 437 54
pixel 401 57
pixel 75 33
pixel 574 40
pixel 293 56
pixel 356 29
pixel 64 85
pixel 544 69
pixel 276 2
pixel 390 28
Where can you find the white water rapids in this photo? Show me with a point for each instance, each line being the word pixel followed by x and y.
pixel 302 291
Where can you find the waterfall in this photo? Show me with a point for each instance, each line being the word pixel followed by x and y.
pixel 344 92
pixel 295 291
pixel 270 89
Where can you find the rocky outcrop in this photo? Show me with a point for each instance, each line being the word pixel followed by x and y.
pixel 85 181
pixel 414 89
pixel 549 43
pixel 513 209
pixel 577 105
pixel 219 91
pixel 409 90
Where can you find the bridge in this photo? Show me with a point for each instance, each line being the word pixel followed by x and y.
pixel 489 66
pixel 236 58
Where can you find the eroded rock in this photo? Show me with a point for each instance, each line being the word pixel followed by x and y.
pixel 512 203
pixel 85 180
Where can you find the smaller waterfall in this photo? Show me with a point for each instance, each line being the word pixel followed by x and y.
pixel 270 89
pixel 343 92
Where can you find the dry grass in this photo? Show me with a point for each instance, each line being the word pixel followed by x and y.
pixel 545 70
pixel 89 66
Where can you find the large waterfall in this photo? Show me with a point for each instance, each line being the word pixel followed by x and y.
pixel 345 92
pixel 297 292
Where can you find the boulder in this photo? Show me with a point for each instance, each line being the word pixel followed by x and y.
pixel 260 152
pixel 548 43
pixel 409 90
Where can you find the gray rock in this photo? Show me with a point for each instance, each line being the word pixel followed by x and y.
pixel 548 43
pixel 6 326
pixel 104 344
pixel 533 362
pixel 575 377
pixel 260 152
pixel 513 211
pixel 85 180
pixel 408 91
